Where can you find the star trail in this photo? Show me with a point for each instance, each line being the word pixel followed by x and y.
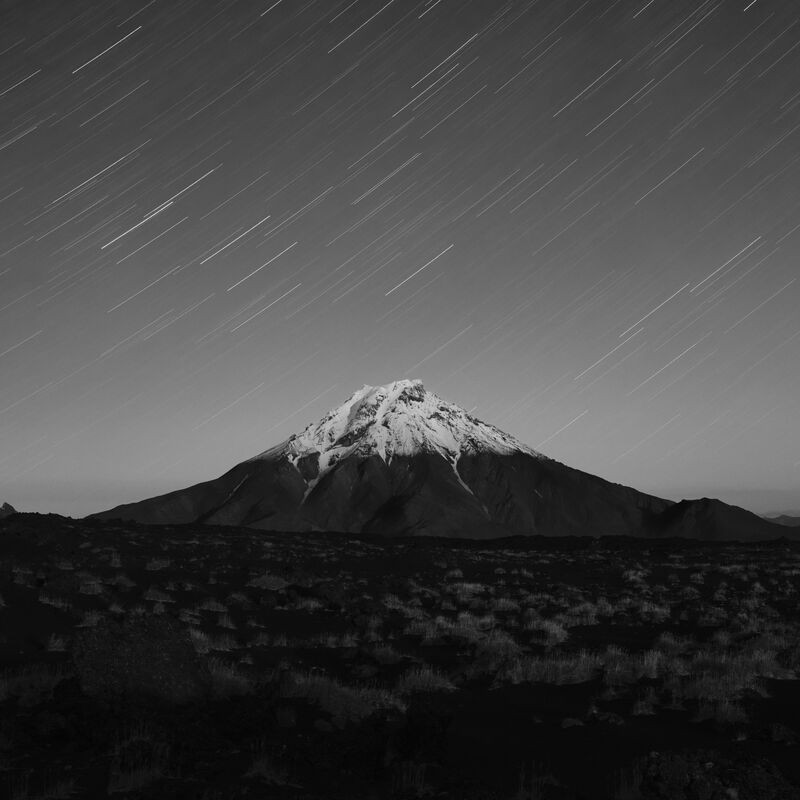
pixel 580 219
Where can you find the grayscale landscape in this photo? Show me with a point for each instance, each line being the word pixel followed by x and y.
pixel 399 400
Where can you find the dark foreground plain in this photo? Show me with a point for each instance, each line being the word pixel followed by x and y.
pixel 213 662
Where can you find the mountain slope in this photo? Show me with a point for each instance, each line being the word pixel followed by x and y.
pixel 397 459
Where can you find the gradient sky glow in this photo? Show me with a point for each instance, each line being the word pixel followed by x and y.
pixel 579 218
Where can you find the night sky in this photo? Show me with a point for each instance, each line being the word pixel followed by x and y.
pixel 579 219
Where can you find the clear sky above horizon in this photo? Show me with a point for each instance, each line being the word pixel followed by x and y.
pixel 580 219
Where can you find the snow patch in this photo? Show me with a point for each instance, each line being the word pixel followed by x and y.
pixel 235 489
pixel 399 419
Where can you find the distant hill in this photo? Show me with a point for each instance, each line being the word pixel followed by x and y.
pixel 789 520
pixel 716 520
pixel 6 510
pixel 399 460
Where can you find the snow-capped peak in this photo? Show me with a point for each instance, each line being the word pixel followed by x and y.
pixel 399 419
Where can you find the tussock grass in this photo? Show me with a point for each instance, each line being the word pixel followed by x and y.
pixel 272 583
pixel 724 712
pixel 265 768
pixel 622 668
pixel 56 644
pixel 227 681
pixel 504 604
pixel 204 642
pixel 344 703
pixel 56 602
pixel 334 640
pixel 555 668
pixel 53 789
pixel 200 640
pixel 225 621
pixel 385 654
pixel 122 581
pixel 553 631
pixel 211 604
pixel 423 680
pixel 156 595
pixel 139 760
pixel 90 619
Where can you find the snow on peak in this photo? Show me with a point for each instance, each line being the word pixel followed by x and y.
pixel 401 418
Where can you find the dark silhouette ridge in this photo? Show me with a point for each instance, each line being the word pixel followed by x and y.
pixel 788 520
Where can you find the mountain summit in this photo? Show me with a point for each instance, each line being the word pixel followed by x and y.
pixel 399 460
pixel 399 419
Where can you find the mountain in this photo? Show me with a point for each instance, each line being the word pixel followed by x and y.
pixel 790 520
pixel 716 520
pixel 6 510
pixel 397 459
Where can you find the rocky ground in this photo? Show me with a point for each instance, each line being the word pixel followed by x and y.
pixel 210 662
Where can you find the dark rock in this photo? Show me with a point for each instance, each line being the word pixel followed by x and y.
pixel 691 776
pixel 139 659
